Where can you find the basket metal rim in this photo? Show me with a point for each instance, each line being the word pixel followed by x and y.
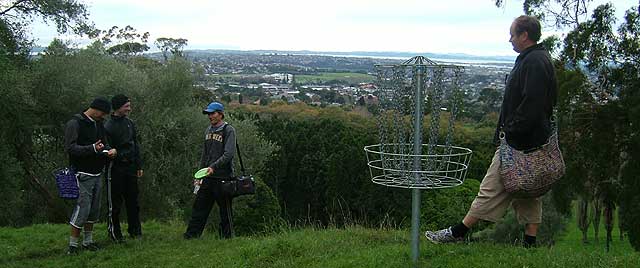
pixel 464 151
pixel 407 183
pixel 462 167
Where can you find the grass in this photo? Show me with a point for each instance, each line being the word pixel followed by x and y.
pixel 350 78
pixel 44 245
pixel 619 251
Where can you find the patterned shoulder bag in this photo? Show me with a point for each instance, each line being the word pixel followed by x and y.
pixel 531 174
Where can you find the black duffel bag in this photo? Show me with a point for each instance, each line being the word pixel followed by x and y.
pixel 242 185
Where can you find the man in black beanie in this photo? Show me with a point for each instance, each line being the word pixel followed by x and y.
pixel 84 141
pixel 125 169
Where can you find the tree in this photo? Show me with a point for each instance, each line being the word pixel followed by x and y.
pixel 16 121
pixel 564 13
pixel 57 47
pixel 22 130
pixel 171 45
pixel 124 43
pixel 491 98
pixel 16 15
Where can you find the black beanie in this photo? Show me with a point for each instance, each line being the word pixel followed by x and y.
pixel 101 104
pixel 118 100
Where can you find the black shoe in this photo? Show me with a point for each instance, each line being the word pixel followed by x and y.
pixel 73 250
pixel 118 239
pixel 90 247
pixel 115 237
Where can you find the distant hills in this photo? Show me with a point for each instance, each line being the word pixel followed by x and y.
pixel 365 54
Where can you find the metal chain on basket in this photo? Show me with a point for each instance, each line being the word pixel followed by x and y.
pixel 383 89
pixel 436 103
pixel 454 104
pixel 397 130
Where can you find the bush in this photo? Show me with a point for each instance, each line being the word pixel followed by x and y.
pixel 16 120
pixel 510 231
pixel 252 214
pixel 442 208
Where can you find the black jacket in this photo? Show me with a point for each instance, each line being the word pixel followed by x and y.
pixel 80 133
pixel 219 150
pixel 529 97
pixel 122 135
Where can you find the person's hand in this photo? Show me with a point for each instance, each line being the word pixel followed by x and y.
pixel 197 182
pixel 209 171
pixel 139 173
pixel 98 146
pixel 112 153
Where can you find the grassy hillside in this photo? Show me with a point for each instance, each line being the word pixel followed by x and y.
pixel 44 246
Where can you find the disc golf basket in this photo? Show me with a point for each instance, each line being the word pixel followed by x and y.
pixel 401 159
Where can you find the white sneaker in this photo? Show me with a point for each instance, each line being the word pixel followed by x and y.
pixel 442 236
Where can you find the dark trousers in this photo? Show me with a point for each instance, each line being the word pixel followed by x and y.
pixel 210 192
pixel 122 186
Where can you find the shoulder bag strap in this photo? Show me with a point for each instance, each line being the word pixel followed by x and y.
pixel 237 152
pixel 240 158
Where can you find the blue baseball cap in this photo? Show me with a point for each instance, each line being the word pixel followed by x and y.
pixel 213 107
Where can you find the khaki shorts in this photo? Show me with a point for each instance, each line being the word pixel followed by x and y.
pixel 492 200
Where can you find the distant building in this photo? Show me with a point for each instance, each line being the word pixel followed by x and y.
pixel 368 99
pixel 282 78
pixel 286 97
pixel 315 98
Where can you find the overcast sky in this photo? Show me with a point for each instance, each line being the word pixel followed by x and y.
pixel 443 26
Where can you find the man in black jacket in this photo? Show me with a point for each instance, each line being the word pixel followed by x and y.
pixel 217 156
pixel 530 94
pixel 84 141
pixel 126 168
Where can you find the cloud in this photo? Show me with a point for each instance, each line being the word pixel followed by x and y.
pixel 464 26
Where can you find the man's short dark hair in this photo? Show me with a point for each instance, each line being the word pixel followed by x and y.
pixel 529 24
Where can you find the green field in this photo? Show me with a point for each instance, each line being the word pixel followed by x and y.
pixel 44 245
pixel 350 78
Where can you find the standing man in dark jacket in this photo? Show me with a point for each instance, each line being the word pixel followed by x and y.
pixel 84 141
pixel 126 168
pixel 530 94
pixel 217 157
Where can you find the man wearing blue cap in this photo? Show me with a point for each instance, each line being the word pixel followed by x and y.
pixel 217 157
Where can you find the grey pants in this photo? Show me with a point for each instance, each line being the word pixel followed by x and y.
pixel 87 208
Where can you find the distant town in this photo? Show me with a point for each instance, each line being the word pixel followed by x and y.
pixel 260 77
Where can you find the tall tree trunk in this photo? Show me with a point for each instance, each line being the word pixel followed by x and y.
pixel 620 222
pixel 583 218
pixel 596 211
pixel 608 220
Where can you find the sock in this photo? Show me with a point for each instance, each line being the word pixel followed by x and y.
pixel 73 241
pixel 88 237
pixel 459 230
pixel 529 241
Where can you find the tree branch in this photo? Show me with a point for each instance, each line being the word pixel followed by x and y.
pixel 15 5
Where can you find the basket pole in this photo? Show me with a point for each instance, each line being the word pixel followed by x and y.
pixel 417 151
